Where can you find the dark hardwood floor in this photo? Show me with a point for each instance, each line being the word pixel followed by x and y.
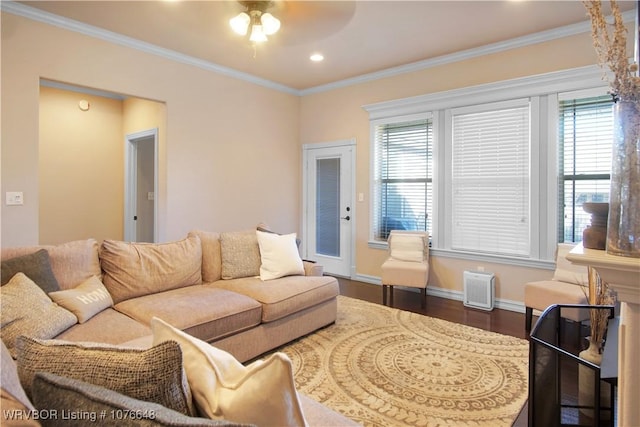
pixel 500 321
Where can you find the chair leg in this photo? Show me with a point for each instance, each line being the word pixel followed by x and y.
pixel 390 295
pixel 528 317
pixel 423 293
pixel 384 294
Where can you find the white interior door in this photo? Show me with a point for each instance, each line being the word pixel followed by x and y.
pixel 328 223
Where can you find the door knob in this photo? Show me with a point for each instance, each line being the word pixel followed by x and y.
pixel 346 217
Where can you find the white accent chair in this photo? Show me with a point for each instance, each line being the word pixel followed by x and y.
pixel 569 285
pixel 408 263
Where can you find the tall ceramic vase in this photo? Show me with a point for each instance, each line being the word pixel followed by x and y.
pixel 623 229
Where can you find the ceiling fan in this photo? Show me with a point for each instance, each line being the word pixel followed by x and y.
pixel 294 21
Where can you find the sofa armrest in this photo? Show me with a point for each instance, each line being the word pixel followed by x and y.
pixel 312 268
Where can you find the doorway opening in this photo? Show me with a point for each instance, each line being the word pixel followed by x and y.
pixel 141 185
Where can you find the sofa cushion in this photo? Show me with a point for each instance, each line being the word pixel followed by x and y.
pixel 284 296
pixel 279 255
pixel 93 404
pixel 155 375
pixel 261 393
pixel 85 300
pixel 204 312
pixel 240 254
pixel 26 310
pixel 109 327
pixel 72 262
pixel 136 269
pixel 35 266
pixel 211 255
pixel 538 294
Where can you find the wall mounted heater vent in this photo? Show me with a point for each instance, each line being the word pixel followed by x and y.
pixel 479 290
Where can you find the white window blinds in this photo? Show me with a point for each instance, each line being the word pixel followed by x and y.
pixel 585 136
pixel 490 179
pixel 403 181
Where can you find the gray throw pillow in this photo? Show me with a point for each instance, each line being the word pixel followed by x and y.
pixel 155 375
pixel 35 266
pixel 88 404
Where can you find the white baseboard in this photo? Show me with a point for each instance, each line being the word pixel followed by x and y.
pixel 502 304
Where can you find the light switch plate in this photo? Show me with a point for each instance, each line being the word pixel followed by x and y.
pixel 14 198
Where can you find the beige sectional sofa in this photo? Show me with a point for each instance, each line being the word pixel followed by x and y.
pixel 208 285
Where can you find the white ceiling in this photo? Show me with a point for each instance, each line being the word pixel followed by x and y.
pixel 356 37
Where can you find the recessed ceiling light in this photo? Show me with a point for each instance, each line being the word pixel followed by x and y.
pixel 316 57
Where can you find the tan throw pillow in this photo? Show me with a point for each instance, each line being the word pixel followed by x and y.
pixel 154 374
pixel 85 300
pixel 262 393
pixel 279 255
pixel 137 269
pixel 240 254
pixel 26 310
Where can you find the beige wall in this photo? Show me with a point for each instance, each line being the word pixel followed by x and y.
pixel 338 114
pixel 80 167
pixel 231 157
pixel 81 163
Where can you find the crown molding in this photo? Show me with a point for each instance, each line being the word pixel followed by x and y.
pixel 32 13
pixel 543 36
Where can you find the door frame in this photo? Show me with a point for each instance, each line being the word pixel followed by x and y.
pixel 306 149
pixel 131 179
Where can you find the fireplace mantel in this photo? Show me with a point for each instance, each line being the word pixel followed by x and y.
pixel 623 275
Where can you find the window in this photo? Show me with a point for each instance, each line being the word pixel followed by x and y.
pixel 403 181
pixel 490 178
pixel 495 187
pixel 585 135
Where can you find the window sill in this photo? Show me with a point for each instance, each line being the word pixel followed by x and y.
pixel 472 256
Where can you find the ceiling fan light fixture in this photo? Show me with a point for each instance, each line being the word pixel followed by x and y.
pixel 255 21
pixel 270 24
pixel 240 23
pixel 257 34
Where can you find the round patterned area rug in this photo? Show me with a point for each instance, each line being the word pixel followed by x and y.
pixel 382 366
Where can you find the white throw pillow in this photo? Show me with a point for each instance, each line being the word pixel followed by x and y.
pixel 407 247
pixel 279 255
pixel 85 300
pixel 262 393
